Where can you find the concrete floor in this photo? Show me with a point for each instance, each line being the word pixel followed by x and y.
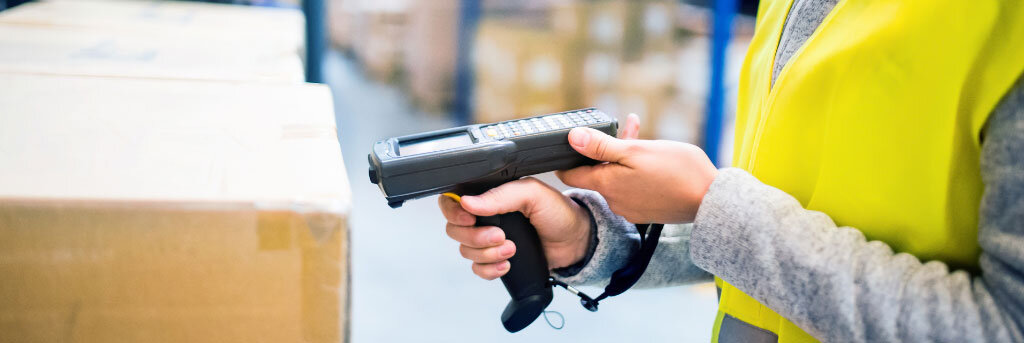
pixel 409 282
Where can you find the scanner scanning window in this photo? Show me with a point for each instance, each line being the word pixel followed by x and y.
pixel 432 144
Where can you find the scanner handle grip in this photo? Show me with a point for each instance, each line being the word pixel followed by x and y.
pixel 527 277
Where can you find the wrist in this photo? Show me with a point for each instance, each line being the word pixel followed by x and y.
pixel 574 248
pixel 693 192
pixel 584 246
pixel 582 233
pixel 711 175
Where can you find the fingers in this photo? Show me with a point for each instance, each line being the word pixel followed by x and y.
pixel 631 130
pixel 517 196
pixel 491 271
pixel 454 212
pixel 486 247
pixel 489 255
pixel 476 237
pixel 586 177
pixel 597 145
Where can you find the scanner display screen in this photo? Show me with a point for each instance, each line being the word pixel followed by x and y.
pixel 432 144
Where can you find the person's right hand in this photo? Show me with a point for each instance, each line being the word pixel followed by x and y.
pixel 562 225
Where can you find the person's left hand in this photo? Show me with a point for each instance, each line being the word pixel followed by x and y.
pixel 644 181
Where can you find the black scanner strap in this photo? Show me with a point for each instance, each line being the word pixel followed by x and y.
pixel 627 276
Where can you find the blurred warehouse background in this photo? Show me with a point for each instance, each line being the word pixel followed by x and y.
pixel 396 67
pixel 528 57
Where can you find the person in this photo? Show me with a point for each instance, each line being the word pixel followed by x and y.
pixel 877 194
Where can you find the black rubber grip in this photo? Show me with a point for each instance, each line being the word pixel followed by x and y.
pixel 527 278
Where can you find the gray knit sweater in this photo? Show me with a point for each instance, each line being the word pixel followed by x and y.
pixel 764 242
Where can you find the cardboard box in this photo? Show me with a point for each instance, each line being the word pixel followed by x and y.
pixel 603 53
pixel 379 43
pixel 656 25
pixel 625 28
pixel 341 20
pixel 170 211
pixel 274 29
pixel 524 71
pixel 431 47
pixel 102 52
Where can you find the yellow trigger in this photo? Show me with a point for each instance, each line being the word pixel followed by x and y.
pixel 454 196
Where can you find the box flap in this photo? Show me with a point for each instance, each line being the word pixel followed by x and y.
pixel 65 50
pixel 81 138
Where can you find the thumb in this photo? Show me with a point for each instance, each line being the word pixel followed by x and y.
pixel 516 196
pixel 597 145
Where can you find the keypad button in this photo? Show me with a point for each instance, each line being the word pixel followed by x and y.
pixel 552 122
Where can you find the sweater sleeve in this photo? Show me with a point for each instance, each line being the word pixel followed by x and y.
pixel 616 241
pixel 839 287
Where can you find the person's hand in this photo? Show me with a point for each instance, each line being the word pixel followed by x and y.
pixel 644 181
pixel 562 225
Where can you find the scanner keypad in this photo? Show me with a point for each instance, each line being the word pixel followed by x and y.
pixel 551 122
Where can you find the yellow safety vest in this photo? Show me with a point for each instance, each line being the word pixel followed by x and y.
pixel 876 121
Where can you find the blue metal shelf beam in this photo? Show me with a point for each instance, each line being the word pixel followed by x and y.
pixel 721 34
pixel 469 17
pixel 316 38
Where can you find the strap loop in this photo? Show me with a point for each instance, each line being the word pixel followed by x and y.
pixel 627 276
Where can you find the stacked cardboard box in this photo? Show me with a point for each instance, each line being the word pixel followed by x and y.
pixel 431 48
pixel 631 71
pixel 598 30
pixel 341 19
pixel 374 32
pixel 100 52
pixel 272 28
pixel 144 200
pixel 616 55
pixel 523 71
pixel 161 39
pixel 378 43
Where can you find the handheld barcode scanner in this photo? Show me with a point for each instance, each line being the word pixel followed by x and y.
pixel 470 160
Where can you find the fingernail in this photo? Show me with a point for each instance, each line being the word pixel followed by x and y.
pixel 495 237
pixel 579 137
pixel 502 266
pixel 507 250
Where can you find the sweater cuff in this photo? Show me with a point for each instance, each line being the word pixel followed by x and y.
pixel 721 220
pixel 615 243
